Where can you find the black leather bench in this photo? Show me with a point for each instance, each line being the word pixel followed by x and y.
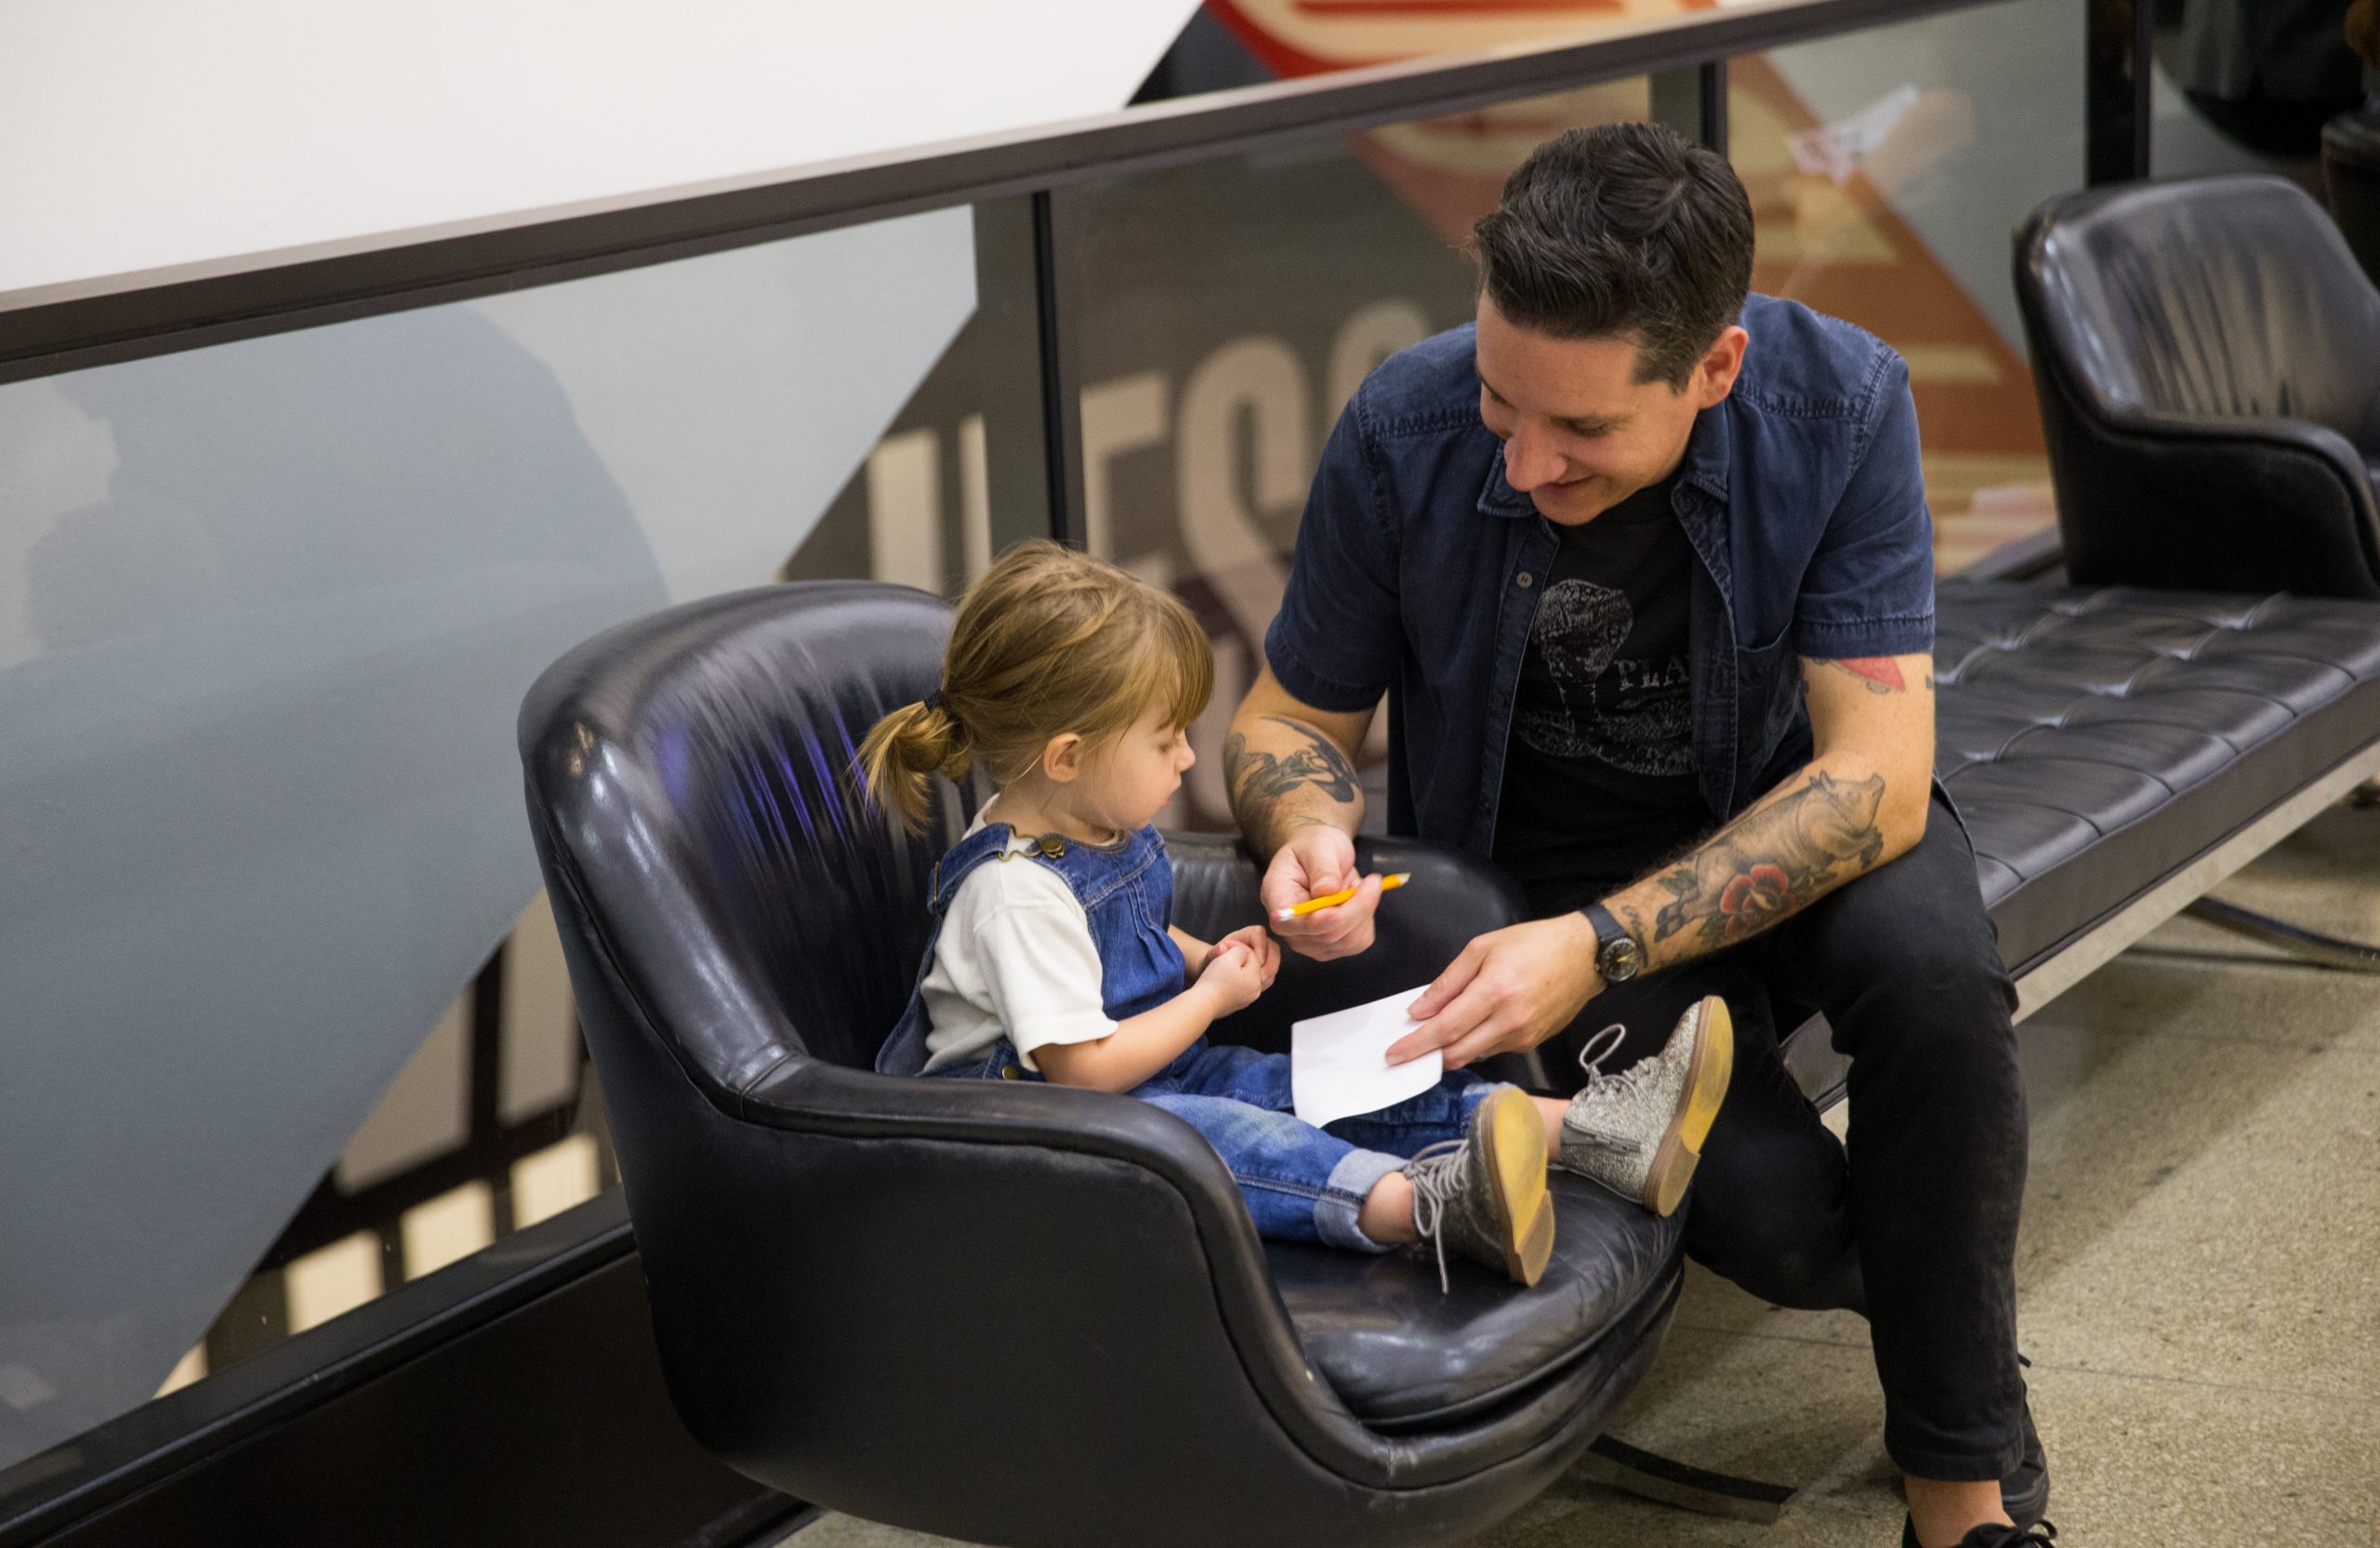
pixel 2116 753
pixel 2111 750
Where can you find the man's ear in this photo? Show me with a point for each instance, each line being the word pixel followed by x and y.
pixel 1714 376
pixel 1062 760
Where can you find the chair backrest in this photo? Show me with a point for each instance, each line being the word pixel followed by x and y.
pixel 691 775
pixel 2207 354
pixel 2223 296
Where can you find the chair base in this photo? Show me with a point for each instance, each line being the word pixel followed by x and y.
pixel 1617 1464
pixel 2307 945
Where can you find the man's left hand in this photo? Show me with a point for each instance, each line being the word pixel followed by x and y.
pixel 1511 989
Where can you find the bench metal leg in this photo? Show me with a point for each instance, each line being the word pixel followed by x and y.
pixel 1617 1464
pixel 2309 945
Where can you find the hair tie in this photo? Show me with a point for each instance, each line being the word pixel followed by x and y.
pixel 935 702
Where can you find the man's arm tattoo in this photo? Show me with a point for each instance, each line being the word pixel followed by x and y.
pixel 1881 674
pixel 1259 781
pixel 1878 674
pixel 1769 862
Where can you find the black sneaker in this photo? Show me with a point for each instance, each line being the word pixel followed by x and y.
pixel 2023 1494
pixel 2040 1534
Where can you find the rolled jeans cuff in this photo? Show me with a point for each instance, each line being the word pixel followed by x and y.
pixel 1952 1458
pixel 1342 1200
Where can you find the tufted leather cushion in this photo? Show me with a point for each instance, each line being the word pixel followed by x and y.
pixel 2096 740
pixel 1403 1356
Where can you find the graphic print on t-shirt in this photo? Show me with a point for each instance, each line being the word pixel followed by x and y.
pixel 1631 714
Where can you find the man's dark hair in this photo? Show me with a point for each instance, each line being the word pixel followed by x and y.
pixel 1625 231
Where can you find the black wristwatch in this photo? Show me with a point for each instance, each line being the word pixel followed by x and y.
pixel 1618 957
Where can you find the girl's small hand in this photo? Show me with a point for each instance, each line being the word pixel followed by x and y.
pixel 1259 940
pixel 1232 979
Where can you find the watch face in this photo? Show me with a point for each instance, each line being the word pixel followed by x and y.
pixel 1620 960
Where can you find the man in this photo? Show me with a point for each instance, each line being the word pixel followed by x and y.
pixel 1645 569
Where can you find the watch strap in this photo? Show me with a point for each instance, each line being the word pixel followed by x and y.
pixel 1619 954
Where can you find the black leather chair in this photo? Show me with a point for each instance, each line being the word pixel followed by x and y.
pixel 2351 178
pixel 2207 355
pixel 1004 1312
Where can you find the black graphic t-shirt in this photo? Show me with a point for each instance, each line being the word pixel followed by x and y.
pixel 1599 779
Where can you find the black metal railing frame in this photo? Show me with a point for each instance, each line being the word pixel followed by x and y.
pixel 72 326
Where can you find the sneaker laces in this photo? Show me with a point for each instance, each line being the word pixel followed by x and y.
pixel 1621 1085
pixel 1436 1173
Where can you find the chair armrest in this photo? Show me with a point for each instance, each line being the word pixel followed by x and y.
pixel 1421 927
pixel 996 1227
pixel 2178 501
pixel 2238 433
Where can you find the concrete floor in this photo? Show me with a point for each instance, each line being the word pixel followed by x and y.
pixel 2199 1272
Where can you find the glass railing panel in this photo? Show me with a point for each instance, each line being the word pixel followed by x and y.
pixel 1887 169
pixel 2246 87
pixel 287 1024
pixel 1230 309
pixel 961 471
pixel 1233 309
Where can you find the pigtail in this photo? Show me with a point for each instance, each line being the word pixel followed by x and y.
pixel 906 747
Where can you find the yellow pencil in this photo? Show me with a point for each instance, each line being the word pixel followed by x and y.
pixel 1310 904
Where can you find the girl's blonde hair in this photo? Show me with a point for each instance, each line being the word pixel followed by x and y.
pixel 1049 641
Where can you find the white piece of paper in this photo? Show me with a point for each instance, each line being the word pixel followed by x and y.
pixel 1339 1062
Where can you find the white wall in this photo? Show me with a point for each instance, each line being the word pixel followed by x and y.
pixel 137 134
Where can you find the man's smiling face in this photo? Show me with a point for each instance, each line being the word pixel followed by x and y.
pixel 1581 432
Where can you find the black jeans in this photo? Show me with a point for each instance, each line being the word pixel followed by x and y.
pixel 1915 1226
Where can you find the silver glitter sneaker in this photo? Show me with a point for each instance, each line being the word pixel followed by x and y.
pixel 1484 1194
pixel 1640 1132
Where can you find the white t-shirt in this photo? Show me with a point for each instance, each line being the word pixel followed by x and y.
pixel 1014 959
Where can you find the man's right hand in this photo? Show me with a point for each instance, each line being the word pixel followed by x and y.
pixel 1318 860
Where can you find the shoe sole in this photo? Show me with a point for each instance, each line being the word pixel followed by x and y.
pixel 1706 1086
pixel 1515 1158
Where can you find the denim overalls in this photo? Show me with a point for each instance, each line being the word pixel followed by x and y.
pixel 1301 1183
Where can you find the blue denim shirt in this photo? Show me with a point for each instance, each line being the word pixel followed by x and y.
pixel 1126 891
pixel 1419 567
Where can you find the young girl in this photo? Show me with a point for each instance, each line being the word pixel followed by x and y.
pixel 1054 955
